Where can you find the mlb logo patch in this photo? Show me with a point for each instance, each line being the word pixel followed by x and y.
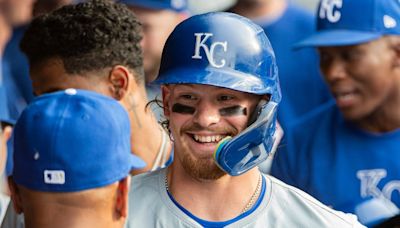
pixel 54 177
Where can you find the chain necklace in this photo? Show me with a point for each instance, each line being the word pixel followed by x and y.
pixel 254 197
pixel 251 202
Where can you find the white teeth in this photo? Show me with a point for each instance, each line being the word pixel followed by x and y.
pixel 345 96
pixel 208 139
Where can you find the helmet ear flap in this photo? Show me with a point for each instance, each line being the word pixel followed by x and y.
pixel 252 146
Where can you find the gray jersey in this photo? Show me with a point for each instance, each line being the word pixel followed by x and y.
pixel 12 219
pixel 281 206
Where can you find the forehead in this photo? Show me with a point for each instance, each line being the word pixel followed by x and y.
pixel 367 46
pixel 50 75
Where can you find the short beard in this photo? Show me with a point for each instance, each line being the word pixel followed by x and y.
pixel 202 168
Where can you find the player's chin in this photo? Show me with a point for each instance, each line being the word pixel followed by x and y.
pixel 202 168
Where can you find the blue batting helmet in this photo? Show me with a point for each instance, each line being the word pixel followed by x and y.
pixel 220 49
pixel 229 51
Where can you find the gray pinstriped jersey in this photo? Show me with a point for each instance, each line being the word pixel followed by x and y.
pixel 282 206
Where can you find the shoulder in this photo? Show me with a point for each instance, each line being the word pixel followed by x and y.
pixel 299 205
pixel 149 180
pixel 150 205
pixel 313 130
pixel 144 198
pixel 320 116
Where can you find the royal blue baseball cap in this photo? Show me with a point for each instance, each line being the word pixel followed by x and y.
pixel 72 140
pixel 351 22
pixel 174 5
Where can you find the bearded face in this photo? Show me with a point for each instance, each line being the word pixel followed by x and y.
pixel 200 116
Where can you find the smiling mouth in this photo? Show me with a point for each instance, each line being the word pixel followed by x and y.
pixel 207 138
pixel 346 95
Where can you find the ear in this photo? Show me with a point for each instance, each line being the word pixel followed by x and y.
pixel 394 42
pixel 15 196
pixel 267 97
pixel 166 93
pixel 7 133
pixel 119 79
pixel 122 197
pixel 397 57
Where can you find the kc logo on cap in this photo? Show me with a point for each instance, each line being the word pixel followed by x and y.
pixel 201 39
pixel 352 22
pixel 329 10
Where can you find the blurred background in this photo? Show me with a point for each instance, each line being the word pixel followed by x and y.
pixel 202 6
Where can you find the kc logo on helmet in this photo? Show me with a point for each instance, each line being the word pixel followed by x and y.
pixel 327 10
pixel 201 39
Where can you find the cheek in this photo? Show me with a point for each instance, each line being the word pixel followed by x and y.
pixel 239 122
pixel 178 121
pixel 377 77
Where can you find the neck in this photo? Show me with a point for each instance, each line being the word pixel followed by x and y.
pixel 147 134
pixel 213 200
pixel 260 8
pixel 381 122
pixel 71 219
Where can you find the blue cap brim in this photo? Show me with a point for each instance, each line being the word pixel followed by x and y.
pixel 137 162
pixel 8 121
pixel 336 38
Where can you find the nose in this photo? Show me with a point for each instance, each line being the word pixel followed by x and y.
pixel 332 66
pixel 333 69
pixel 206 114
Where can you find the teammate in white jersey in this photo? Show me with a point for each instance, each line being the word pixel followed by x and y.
pixel 220 93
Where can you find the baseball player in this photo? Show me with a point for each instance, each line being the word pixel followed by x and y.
pixel 346 153
pixel 72 161
pixel 285 23
pixel 220 94
pixel 95 45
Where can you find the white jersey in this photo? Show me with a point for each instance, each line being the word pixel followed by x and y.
pixel 282 206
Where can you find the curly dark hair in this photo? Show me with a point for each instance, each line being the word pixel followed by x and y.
pixel 88 36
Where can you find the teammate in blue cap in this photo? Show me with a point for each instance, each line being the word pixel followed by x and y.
pixel 72 161
pixel 158 18
pixel 95 45
pixel 285 23
pixel 220 93
pixel 346 153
